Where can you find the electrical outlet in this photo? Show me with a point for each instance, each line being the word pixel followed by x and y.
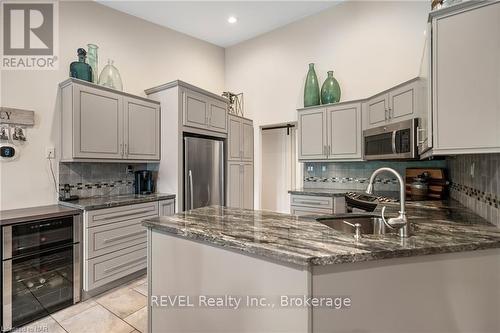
pixel 50 153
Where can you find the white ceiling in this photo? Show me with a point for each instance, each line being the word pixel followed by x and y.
pixel 207 20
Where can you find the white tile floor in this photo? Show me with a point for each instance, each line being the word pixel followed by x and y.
pixel 120 310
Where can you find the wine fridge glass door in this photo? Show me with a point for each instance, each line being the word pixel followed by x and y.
pixel 37 285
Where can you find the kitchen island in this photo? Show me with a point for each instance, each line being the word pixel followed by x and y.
pixel 217 269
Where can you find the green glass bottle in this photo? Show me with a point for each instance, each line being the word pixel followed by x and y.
pixel 80 69
pixel 330 91
pixel 311 89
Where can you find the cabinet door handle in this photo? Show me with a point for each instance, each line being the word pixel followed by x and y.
pixel 419 135
pixel 121 149
pixel 329 150
pixel 389 112
pixel 304 202
pixel 385 114
pixel 126 149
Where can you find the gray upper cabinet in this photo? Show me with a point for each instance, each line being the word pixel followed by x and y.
pixel 344 131
pixel 195 109
pixel 377 109
pixel 312 134
pixel 240 139
pixel 203 112
pixel 142 130
pixel 217 116
pixel 466 79
pixel 397 104
pixel 99 123
pixel 234 138
pixel 98 119
pixel 331 133
pixel 402 101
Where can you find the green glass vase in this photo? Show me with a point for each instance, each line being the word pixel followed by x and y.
pixel 330 91
pixel 311 89
pixel 80 69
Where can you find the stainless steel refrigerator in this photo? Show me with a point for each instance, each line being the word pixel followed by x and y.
pixel 203 172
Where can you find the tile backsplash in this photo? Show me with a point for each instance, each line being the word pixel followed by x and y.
pixel 99 179
pixel 355 175
pixel 475 183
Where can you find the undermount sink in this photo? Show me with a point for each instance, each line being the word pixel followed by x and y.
pixel 367 224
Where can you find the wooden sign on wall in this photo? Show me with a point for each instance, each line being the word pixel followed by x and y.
pixel 16 116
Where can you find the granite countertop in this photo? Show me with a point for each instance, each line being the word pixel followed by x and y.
pixel 115 200
pixel 439 227
pixel 21 215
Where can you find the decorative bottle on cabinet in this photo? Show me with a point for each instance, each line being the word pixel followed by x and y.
pixel 330 91
pixel 110 77
pixel 80 69
pixel 311 89
pixel 93 61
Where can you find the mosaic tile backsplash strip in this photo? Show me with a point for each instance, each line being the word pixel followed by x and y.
pixel 355 175
pixel 98 179
pixel 475 182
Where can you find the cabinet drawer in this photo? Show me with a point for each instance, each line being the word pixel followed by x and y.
pixel 115 236
pixel 300 211
pixel 118 214
pixel 312 201
pixel 110 267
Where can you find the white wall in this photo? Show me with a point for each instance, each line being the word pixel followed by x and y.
pixel 145 54
pixel 370 45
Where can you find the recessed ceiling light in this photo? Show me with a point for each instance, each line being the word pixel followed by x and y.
pixel 232 19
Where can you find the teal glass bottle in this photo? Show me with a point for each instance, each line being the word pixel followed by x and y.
pixel 330 91
pixel 311 89
pixel 80 69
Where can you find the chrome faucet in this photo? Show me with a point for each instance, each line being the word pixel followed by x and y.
pixel 401 221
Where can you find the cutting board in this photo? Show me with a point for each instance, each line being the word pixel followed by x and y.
pixel 438 184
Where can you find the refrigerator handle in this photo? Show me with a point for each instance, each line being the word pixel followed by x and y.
pixel 190 180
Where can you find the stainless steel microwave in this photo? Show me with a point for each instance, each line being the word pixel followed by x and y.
pixel 392 141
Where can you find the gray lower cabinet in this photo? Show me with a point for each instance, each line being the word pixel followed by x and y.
pixel 166 207
pixel 115 242
pixel 316 205
pixel 330 133
pixel 99 123
pixel 203 111
pixel 240 185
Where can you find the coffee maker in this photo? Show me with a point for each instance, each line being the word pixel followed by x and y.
pixel 144 183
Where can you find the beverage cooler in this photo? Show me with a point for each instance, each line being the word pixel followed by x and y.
pixel 40 269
